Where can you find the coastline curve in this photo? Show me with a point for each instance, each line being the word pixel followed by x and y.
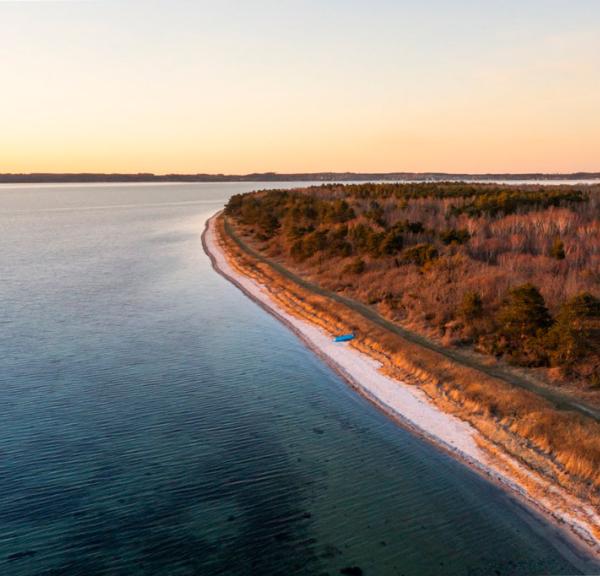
pixel 410 408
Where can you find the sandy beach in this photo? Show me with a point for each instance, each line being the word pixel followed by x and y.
pixel 566 521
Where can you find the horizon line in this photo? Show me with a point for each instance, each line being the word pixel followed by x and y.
pixel 57 177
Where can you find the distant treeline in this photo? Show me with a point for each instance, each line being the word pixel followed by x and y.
pixel 512 270
pixel 46 177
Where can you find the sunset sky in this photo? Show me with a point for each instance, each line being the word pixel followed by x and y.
pixel 256 85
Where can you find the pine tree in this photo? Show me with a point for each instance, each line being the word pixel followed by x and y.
pixel 523 321
pixel 575 333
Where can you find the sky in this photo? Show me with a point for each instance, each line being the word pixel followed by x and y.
pixel 300 86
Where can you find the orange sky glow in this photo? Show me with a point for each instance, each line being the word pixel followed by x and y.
pixel 300 87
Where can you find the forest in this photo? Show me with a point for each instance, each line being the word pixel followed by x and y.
pixel 510 271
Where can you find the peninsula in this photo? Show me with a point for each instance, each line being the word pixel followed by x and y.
pixel 475 310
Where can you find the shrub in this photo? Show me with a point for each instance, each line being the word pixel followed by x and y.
pixel 471 306
pixel 453 236
pixel 357 266
pixel 420 254
pixel 374 244
pixel 558 249
pixel 295 232
pixel 408 226
pixel 415 227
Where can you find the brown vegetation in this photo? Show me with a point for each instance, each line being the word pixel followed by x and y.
pixel 497 268
pixel 561 447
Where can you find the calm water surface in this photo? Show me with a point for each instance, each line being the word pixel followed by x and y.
pixel 155 421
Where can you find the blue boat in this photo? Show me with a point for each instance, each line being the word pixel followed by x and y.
pixel 343 338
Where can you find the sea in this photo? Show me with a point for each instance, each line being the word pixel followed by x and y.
pixel 155 421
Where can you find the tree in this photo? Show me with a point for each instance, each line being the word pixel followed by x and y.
pixel 233 207
pixel 359 236
pixel 392 243
pixel 523 321
pixel 419 254
pixel 338 211
pixel 471 307
pixel 576 332
pixel 376 213
pixel 269 224
pixel 337 245
pixel 309 245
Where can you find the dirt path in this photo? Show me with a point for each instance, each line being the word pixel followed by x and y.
pixel 559 400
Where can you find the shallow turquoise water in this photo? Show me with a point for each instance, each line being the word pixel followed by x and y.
pixel 155 421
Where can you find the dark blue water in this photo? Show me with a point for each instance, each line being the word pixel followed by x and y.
pixel 155 421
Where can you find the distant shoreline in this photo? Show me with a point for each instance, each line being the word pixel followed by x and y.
pixel 85 177
pixel 407 405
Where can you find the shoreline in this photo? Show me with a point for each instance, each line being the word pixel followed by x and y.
pixel 411 408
